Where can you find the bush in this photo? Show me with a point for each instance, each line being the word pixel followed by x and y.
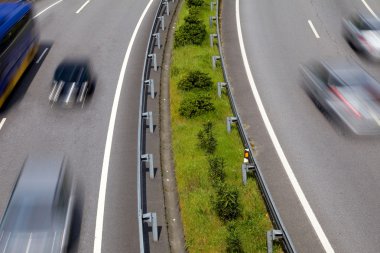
pixel 195 104
pixel 192 32
pixel 216 171
pixel 195 80
pixel 194 3
pixel 233 241
pixel 226 202
pixel 207 141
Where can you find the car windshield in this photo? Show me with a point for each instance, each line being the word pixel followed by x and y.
pixel 69 73
pixel 27 214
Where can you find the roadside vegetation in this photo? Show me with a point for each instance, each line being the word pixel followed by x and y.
pixel 219 213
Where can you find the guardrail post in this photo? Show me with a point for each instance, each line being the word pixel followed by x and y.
pixel 212 36
pixel 152 219
pixel 166 3
pixel 150 83
pixel 245 167
pixel 162 22
pixel 157 36
pixel 273 235
pixel 220 86
pixel 230 120
pixel 214 59
pixel 148 116
pixel 154 58
pixel 212 5
pixel 149 159
pixel 211 20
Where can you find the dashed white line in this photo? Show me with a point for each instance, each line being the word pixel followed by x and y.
pixel 107 150
pixel 369 9
pixel 293 180
pixel 2 123
pixel 47 8
pixel 82 7
pixel 42 55
pixel 313 28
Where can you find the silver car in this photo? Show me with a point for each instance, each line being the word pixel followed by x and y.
pixel 363 34
pixel 39 214
pixel 347 93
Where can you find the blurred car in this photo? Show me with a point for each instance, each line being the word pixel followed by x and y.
pixel 39 213
pixel 72 83
pixel 347 93
pixel 363 34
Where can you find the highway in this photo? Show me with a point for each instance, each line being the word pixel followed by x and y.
pixel 101 31
pixel 337 174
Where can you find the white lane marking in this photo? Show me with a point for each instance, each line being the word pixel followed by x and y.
pixel 313 28
pixel 82 7
pixel 42 55
pixel 369 9
pixel 47 8
pixel 2 123
pixel 107 150
pixel 293 180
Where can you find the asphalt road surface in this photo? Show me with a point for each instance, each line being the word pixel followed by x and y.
pixel 101 31
pixel 337 173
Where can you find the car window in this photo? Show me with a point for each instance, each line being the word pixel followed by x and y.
pixel 360 23
pixel 334 81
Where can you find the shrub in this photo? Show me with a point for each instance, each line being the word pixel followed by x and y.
pixel 216 171
pixel 195 80
pixel 194 3
pixel 192 32
pixel 207 141
pixel 233 241
pixel 195 104
pixel 226 202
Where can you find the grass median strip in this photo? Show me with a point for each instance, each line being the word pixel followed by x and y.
pixel 219 214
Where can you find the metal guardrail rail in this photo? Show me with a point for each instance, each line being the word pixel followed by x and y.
pixel 149 63
pixel 280 232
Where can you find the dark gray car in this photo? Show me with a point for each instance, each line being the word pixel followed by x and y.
pixel 72 82
pixel 39 213
pixel 363 33
pixel 347 93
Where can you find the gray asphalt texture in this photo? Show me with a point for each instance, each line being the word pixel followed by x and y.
pixel 337 172
pixel 101 31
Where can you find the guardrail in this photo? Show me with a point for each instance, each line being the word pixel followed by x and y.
pixel 280 231
pixel 146 117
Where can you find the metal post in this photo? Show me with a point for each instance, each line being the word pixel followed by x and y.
pixel 162 21
pixel 157 36
pixel 148 116
pixel 152 218
pixel 166 3
pixel 150 83
pixel 212 5
pixel 220 86
pixel 214 59
pixel 245 168
pixel 212 36
pixel 154 58
pixel 212 18
pixel 149 159
pixel 271 236
pixel 230 120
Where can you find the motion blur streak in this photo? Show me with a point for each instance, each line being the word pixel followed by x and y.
pixel 305 204
pixel 370 9
pixel 107 151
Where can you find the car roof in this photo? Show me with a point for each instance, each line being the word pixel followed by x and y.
pixel 39 177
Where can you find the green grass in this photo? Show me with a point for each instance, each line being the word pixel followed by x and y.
pixel 204 232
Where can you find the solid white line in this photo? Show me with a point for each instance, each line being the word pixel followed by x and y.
pixel 313 28
pixel 107 151
pixel 2 123
pixel 47 8
pixel 293 180
pixel 81 8
pixel 369 9
pixel 42 55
